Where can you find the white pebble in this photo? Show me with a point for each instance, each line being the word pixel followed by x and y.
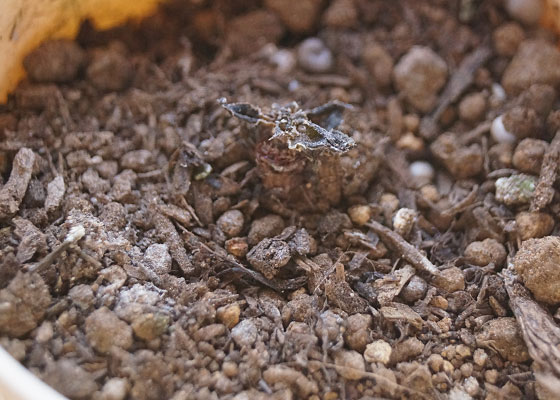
pixel 499 133
pixel 284 60
pixel 404 220
pixel 526 11
pixel 422 170
pixel 314 56
pixel 498 92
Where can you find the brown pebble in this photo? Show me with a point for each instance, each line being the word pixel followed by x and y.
pixel 231 222
pixel 504 336
pixel 484 252
pixel 406 350
pixel 269 256
pixel 537 262
pixel 341 14
pixel 360 214
pixel 267 226
pixel 299 16
pixel 507 38
pixel 349 364
pixel 528 155
pixel 357 334
pixel 138 160
pixel 419 75
pixel 54 61
pixel 473 107
pixel 450 280
pixel 522 122
pixel 229 315
pixel 109 70
pixel 379 64
pixel 23 304
pixel 461 161
pixel 104 330
pixel 536 61
pixel 237 246
pixel 533 224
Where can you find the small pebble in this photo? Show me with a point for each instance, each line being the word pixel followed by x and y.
pixel 237 246
pixel 379 64
pixel 299 16
pixel 231 222
pixel 419 75
pixel 515 189
pixel 507 38
pixel 450 280
pixel 357 334
pixel 23 304
pixel 360 214
pixel 314 56
pixel 349 364
pixel 504 336
pixel 265 227
pixel 537 263
pixel 104 330
pixel 406 350
pixel 115 389
pixel 150 326
pixel 471 386
pixel 54 61
pixel 414 290
pixel 409 141
pixel 269 256
pixel 522 122
pixel 466 369
pixel 110 71
pixel 341 14
pixel 460 160
pixel 82 296
pixel 491 376
pixel 536 61
pixel 525 11
pixel 230 369
pixel 499 132
pixel 439 302
pixel 480 357
pixel 462 351
pixel 533 224
pixel 484 252
pixel 138 160
pixel 528 155
pixel 378 351
pixel 423 171
pixel 473 107
pixel 403 221
pixel 70 379
pixel 245 333
pixel 158 259
pixel 229 315
pixel 435 362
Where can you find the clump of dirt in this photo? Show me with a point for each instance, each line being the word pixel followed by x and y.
pixel 348 224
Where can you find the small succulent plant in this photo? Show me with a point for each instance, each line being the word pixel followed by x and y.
pixel 300 152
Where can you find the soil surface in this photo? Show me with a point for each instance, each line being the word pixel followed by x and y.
pixel 296 199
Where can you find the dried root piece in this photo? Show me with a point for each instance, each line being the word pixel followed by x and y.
pixel 174 242
pixel 13 191
pixel 541 333
pixel 549 171
pixel 409 252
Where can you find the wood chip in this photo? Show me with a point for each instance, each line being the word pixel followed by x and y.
pixel 544 192
pixel 540 332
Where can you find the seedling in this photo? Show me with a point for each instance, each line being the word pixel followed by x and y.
pixel 301 151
